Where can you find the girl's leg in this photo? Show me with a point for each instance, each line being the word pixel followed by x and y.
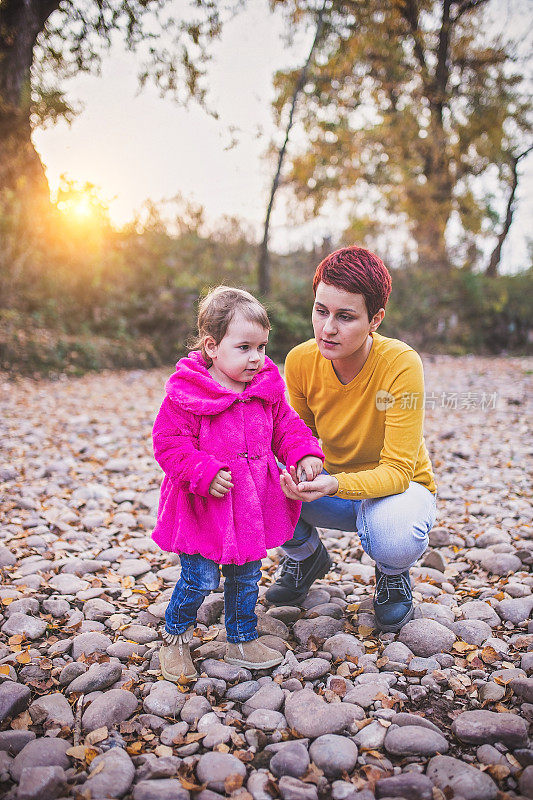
pixel 199 576
pixel 241 589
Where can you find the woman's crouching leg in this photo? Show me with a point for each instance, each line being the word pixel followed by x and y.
pixel 394 530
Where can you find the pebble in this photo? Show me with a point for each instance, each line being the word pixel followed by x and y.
pixel 410 785
pixel 371 737
pixel 213 769
pixel 294 789
pixel 293 760
pixel 310 715
pixel 97 677
pixel 14 698
pixel 472 631
pixel 334 754
pixel 318 628
pixel 22 624
pixel 113 774
pixel 164 699
pixel 462 779
pixel 523 687
pixel 194 708
pixel 162 789
pixel 425 637
pixel 39 783
pixel 483 726
pixel 43 752
pixel 89 643
pixel 517 610
pixel 414 740
pixel 52 710
pixel 109 708
pixel 270 696
pixel 266 719
pixel 342 645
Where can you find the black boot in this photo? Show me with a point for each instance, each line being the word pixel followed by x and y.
pixel 393 601
pixel 296 578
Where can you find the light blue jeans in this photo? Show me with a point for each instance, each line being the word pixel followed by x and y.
pixel 393 530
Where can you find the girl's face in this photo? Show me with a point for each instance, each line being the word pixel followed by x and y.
pixel 240 354
pixel 340 322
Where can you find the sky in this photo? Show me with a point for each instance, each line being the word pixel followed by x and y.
pixel 136 145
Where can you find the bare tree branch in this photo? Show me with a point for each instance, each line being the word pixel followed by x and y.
pixel 492 269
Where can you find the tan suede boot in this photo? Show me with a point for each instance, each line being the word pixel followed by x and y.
pixel 252 655
pixel 175 656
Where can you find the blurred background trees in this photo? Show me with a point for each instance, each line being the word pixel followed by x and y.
pixel 415 116
pixel 408 118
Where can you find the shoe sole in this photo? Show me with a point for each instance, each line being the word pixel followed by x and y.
pixel 169 676
pixel 301 597
pixel 397 626
pixel 240 662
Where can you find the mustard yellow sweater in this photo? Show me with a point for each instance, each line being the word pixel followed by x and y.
pixel 371 429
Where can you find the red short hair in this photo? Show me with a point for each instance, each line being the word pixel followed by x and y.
pixel 358 271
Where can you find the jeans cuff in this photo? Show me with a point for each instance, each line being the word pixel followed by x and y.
pixel 235 640
pixel 178 630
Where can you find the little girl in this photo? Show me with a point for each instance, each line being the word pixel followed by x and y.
pixel 220 428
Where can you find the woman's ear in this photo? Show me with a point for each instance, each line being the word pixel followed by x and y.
pixel 377 319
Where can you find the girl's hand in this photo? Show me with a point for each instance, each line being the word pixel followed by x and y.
pixel 307 491
pixel 221 483
pixel 308 468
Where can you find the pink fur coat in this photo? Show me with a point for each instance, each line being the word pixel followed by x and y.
pixel 202 427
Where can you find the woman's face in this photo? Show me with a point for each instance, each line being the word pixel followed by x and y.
pixel 340 322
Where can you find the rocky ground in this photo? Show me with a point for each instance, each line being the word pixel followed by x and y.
pixel 440 711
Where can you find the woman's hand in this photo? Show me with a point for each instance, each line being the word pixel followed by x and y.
pixel 308 468
pixel 221 483
pixel 307 491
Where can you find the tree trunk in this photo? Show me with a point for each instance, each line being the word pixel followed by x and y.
pixel 20 24
pixel 264 256
pixel 492 269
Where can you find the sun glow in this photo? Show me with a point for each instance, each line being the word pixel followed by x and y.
pixel 81 204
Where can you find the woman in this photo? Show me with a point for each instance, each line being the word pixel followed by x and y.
pixel 362 394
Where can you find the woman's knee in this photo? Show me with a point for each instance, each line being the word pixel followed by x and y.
pixel 392 539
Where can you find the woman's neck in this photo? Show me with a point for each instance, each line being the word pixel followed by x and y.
pixel 346 369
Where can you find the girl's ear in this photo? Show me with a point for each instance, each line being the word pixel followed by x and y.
pixel 210 346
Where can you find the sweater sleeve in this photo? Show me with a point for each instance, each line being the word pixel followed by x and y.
pixel 292 439
pixel 175 441
pixel 297 396
pixel 404 420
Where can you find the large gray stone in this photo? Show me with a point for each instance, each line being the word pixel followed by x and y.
pixel 318 628
pixel 425 637
pixel 14 698
pixel 97 677
pixel 410 785
pixel 23 624
pixel 43 752
pixel 88 643
pixel 162 789
pixel 109 709
pixel 343 644
pixel 516 610
pixel 486 727
pixel 41 783
pixel 414 740
pixel 523 688
pixel 334 754
pixel 462 779
pixel 114 773
pixel 213 769
pixel 52 710
pixel 164 700
pixel 268 696
pixel 293 760
pixel 310 715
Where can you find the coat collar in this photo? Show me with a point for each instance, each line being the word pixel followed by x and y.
pixel 193 389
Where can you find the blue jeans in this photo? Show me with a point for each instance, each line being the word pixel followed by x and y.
pixel 200 576
pixel 393 530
